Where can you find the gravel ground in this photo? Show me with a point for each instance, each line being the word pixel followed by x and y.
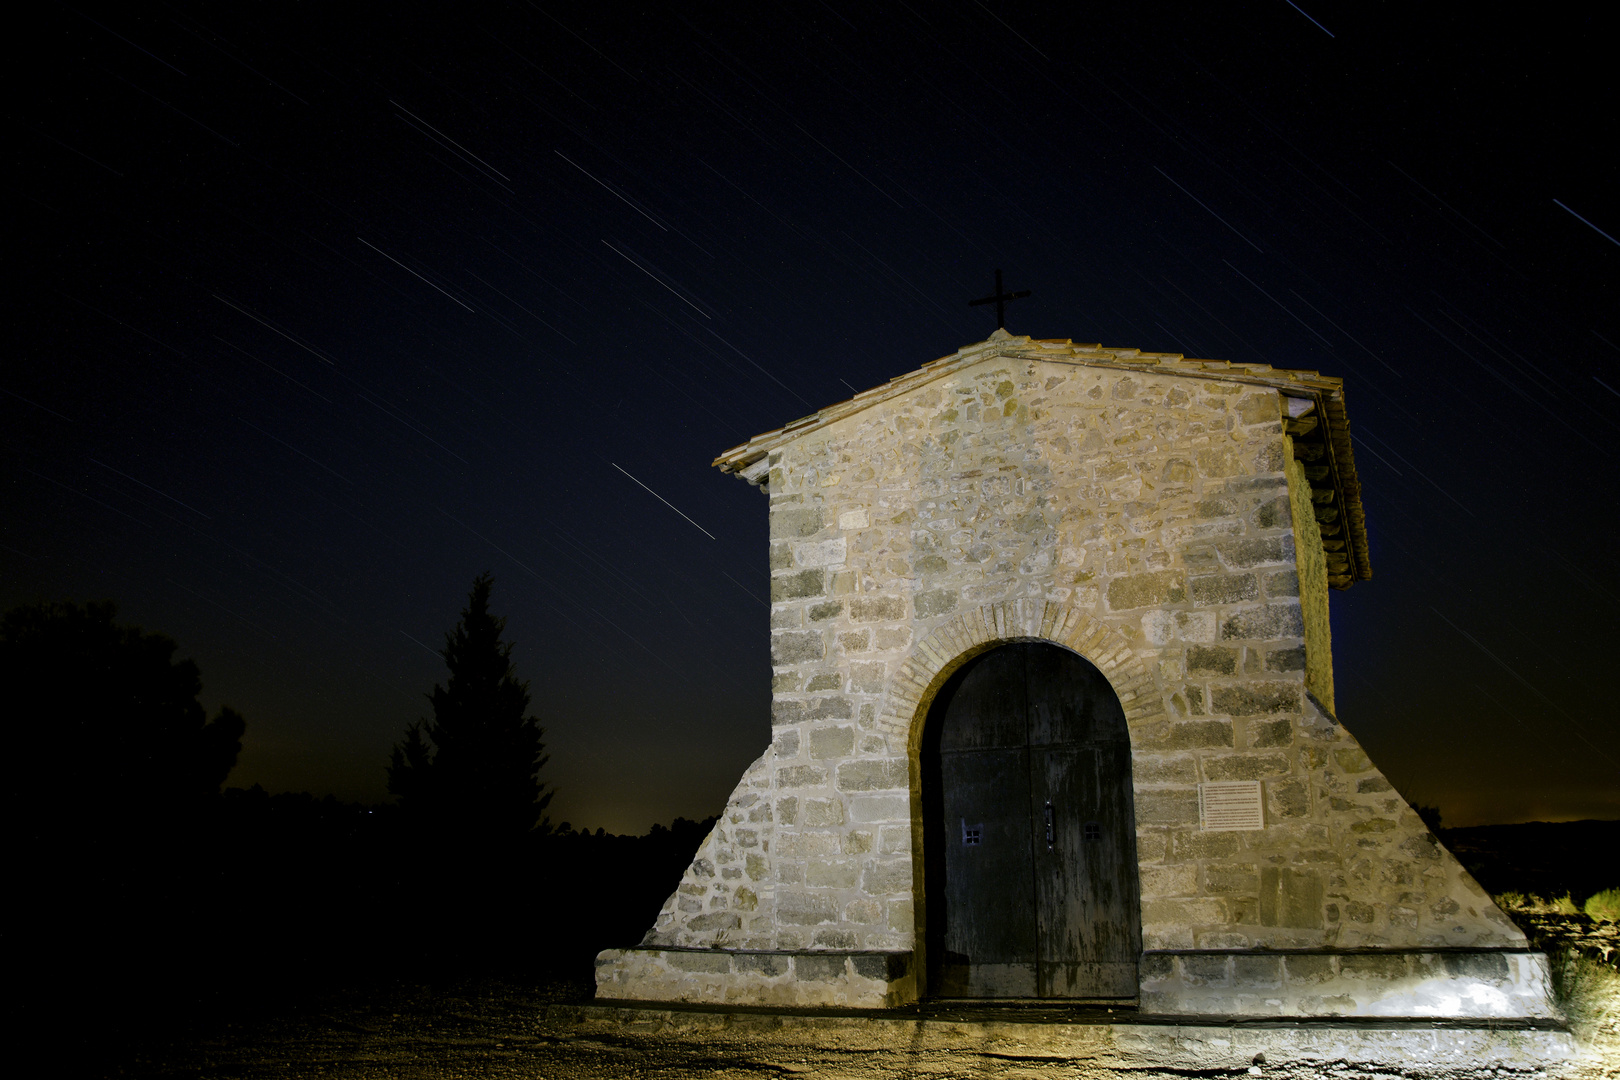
pixel 495 1028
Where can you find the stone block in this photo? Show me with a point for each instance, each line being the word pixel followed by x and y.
pixel 805 583
pixel 826 680
pixel 856 518
pixel 1198 626
pixel 879 775
pixel 1290 898
pixel 1282 583
pixel 797 908
pixel 1373 967
pixel 820 708
pixel 1205 970
pixel 834 939
pixel 1245 766
pixel 714 920
pixel 1253 551
pixel 1257 972
pixel 1352 759
pixel 832 742
pixel 896 637
pixel 823 812
pixel 863 912
pixel 868 678
pixel 1193 734
pixel 885 878
pixel 1256 698
pixel 935 602
pixel 1265 623
pixel 769 965
pixel 1164 769
pixel 820 552
pixel 887 966
pixel 800 845
pixel 1213 660
pixel 1231 880
pixel 872 809
pixel 813 968
pixel 1174 807
pixel 1271 733
pixel 1287 799
pixel 1153 589
pixel 831 874
pixel 829 609
pixel 797 646
pixel 855 641
pixel 795 523
pixel 1307 970
pixel 1175 880
pixel 1274 514
pixel 1491 967
pixel 707 962
pixel 1203 845
pixel 877 609
pixel 1223 589
pixel 800 776
pixel 1286 659
pixel 1217 461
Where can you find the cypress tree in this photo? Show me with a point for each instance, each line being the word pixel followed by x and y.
pixel 471 775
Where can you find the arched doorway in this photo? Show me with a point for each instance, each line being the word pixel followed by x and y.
pixel 1029 831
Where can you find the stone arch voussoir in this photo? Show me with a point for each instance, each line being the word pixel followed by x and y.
pixel 953 643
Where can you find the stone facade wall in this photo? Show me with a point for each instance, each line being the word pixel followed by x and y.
pixel 1144 520
pixel 1311 567
pixel 726 898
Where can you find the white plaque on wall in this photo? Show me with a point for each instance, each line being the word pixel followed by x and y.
pixel 1231 806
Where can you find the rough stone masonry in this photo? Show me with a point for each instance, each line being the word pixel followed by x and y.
pixel 1178 524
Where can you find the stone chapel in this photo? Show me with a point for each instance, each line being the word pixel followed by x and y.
pixel 1053 715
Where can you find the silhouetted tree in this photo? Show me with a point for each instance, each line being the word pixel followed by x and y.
pixel 1430 815
pixel 105 724
pixel 113 845
pixel 471 775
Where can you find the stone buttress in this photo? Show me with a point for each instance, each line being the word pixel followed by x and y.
pixel 1179 524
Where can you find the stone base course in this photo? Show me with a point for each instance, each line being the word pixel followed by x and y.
pixel 1408 983
pixel 1015 1037
pixel 859 980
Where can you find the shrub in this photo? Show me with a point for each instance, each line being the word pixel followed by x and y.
pixel 1588 993
pixel 1565 906
pixel 1604 906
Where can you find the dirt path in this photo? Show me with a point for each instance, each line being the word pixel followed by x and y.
pixel 494 1029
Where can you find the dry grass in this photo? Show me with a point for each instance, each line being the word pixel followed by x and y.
pixel 1588 991
pixel 1531 904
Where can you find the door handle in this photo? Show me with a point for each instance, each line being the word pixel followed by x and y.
pixel 1049 825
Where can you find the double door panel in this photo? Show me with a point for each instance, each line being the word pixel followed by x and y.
pixel 1039 896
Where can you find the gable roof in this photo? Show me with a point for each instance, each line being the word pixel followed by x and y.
pixel 1316 419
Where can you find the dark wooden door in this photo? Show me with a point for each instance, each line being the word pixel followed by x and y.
pixel 1030 839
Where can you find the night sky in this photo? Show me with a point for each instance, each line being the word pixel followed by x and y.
pixel 316 316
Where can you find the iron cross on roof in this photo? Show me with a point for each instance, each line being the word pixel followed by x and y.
pixel 1000 300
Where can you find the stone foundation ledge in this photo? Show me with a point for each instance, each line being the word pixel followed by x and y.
pixel 860 980
pixel 1439 983
pixel 1439 1049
